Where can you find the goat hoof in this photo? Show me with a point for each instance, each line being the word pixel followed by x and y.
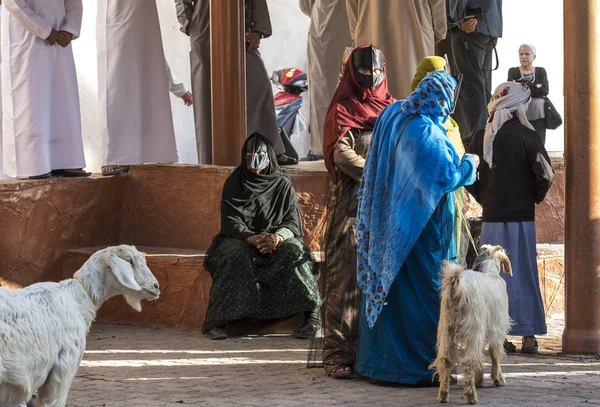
pixel 499 382
pixel 472 400
pixel 479 383
pixel 443 397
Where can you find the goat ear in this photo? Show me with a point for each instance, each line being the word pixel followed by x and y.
pixel 505 263
pixel 123 271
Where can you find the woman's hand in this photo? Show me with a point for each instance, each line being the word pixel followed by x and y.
pixel 476 158
pixel 254 240
pixel 268 243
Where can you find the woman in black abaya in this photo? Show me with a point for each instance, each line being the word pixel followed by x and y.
pixel 259 266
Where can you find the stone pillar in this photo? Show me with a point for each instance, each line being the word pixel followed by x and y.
pixel 582 201
pixel 228 76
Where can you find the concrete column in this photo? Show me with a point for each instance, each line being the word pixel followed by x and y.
pixel 582 170
pixel 228 76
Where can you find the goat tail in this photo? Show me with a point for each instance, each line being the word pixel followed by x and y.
pixel 451 300
pixel 452 295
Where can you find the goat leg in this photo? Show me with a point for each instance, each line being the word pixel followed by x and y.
pixel 497 375
pixel 469 367
pixel 478 373
pixel 444 368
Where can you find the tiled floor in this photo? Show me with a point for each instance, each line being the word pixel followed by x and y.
pixel 134 367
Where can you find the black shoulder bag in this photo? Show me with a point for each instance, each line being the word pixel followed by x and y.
pixel 552 118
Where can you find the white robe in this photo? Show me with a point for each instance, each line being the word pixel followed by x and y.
pixel 137 123
pixel 41 118
pixel 328 37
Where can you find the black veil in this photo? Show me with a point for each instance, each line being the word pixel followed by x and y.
pixel 255 203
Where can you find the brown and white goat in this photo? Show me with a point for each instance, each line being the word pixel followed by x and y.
pixel 474 312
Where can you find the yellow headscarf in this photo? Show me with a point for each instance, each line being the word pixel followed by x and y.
pixel 433 64
pixel 426 66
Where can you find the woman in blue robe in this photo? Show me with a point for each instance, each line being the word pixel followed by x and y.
pixel 405 230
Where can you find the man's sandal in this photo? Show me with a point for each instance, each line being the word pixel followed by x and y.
pixel 108 170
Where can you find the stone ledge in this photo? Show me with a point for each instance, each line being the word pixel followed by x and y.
pixel 179 205
pixel 42 219
pixel 184 286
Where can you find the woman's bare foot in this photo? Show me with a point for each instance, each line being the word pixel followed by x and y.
pixel 341 372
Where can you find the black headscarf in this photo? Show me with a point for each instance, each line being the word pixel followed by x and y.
pixel 255 203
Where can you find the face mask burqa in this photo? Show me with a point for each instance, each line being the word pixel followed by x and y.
pixel 368 66
pixel 257 158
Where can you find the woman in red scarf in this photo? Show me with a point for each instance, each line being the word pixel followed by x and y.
pixel 361 96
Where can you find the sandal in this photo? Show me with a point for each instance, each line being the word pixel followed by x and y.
pixel 530 350
pixel 283 159
pixel 509 347
pixel 71 173
pixel 108 170
pixel 41 176
pixel 341 372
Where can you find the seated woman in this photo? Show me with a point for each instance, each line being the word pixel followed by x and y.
pixel 259 266
pixel 361 96
pixel 515 176
pixel 405 230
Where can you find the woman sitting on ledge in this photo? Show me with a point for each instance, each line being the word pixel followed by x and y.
pixel 259 266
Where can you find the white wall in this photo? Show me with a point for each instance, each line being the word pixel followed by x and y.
pixel 287 48
pixel 538 22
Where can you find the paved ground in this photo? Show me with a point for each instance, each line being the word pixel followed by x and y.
pixel 135 367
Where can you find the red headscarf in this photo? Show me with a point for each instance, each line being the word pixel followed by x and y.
pixel 352 107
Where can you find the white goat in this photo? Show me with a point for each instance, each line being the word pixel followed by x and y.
pixel 43 327
pixel 474 312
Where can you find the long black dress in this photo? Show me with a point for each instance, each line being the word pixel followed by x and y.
pixel 246 283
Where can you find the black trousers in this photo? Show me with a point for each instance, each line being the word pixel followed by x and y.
pixel 472 56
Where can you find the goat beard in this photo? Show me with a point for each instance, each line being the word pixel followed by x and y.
pixel 134 302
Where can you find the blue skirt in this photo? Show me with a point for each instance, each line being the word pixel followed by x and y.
pixel 525 304
pixel 401 345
